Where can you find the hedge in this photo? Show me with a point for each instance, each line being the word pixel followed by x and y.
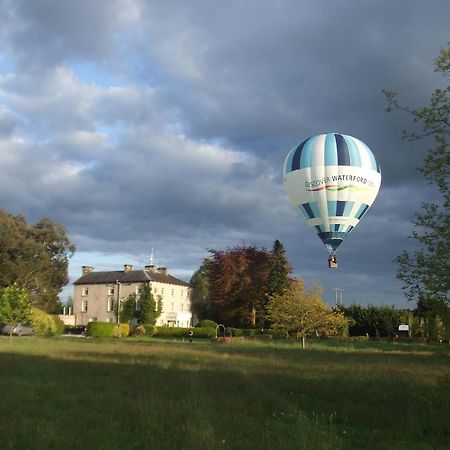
pixel 206 323
pixel 107 329
pixel 175 332
pixel 45 324
pixel 144 329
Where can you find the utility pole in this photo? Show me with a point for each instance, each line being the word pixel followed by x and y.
pixel 338 292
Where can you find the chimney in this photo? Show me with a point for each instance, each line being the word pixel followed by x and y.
pixel 162 270
pixel 127 267
pixel 151 268
pixel 86 269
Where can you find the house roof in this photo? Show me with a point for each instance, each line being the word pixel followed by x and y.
pixel 132 276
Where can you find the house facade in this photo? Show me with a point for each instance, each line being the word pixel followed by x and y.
pixel 97 294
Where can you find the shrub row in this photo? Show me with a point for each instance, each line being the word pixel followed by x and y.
pixel 174 332
pixel 107 330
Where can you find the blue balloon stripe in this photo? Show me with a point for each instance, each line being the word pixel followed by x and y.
pixel 342 151
pixel 348 208
pixel 315 209
pixel 332 205
pixel 340 208
pixel 308 210
pixel 361 211
pixel 355 157
pixel 296 157
pixel 331 158
pixel 290 157
pixel 306 156
pixel 373 163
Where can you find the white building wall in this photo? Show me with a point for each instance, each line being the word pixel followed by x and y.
pixel 176 304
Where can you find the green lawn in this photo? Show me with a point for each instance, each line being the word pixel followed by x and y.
pixel 69 393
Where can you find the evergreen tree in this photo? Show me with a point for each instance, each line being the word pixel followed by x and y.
pixel 278 278
pixel 149 308
pixel 127 309
pixel 200 301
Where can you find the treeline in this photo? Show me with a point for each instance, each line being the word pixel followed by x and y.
pixel 426 321
pixel 250 287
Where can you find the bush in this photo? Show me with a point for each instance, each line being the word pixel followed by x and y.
pixel 121 330
pixel 206 323
pixel 144 329
pixel 150 330
pixel 107 330
pixel 45 324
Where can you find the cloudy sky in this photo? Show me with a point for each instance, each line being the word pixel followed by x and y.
pixel 164 124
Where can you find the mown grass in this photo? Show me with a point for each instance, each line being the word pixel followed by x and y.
pixel 66 393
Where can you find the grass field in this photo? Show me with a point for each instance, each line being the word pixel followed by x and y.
pixel 68 393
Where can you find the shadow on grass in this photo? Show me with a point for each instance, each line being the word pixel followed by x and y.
pixel 132 395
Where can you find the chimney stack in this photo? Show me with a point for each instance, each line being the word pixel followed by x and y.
pixel 151 268
pixel 162 270
pixel 86 269
pixel 127 267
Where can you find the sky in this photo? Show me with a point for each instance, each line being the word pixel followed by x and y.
pixel 164 125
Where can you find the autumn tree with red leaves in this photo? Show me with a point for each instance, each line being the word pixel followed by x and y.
pixel 238 283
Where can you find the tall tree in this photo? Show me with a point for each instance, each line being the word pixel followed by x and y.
pixel 426 272
pixel 35 257
pixel 300 312
pixel 237 284
pixel 15 306
pixel 200 301
pixel 149 307
pixel 278 278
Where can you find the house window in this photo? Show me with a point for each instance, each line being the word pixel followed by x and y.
pixel 110 305
pixel 172 307
pixel 138 305
pixel 155 290
pixel 182 307
pixel 85 292
pixel 138 290
pixel 162 291
pixel 110 290
pixel 181 293
pixel 84 306
pixel 173 292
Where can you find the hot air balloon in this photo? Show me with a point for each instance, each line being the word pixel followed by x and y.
pixel 332 180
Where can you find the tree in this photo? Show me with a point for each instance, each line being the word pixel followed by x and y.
pixel 278 278
pixel 15 306
pixel 426 272
pixel 127 309
pixel 149 308
pixel 237 284
pixel 300 312
pixel 35 257
pixel 200 301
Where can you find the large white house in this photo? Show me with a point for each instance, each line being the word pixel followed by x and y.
pixel 97 294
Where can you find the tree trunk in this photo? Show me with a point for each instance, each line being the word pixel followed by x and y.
pixel 253 319
pixel 303 342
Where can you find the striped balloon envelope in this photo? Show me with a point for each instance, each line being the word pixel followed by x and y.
pixel 332 180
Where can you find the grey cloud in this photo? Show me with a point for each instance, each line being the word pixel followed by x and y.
pixel 165 124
